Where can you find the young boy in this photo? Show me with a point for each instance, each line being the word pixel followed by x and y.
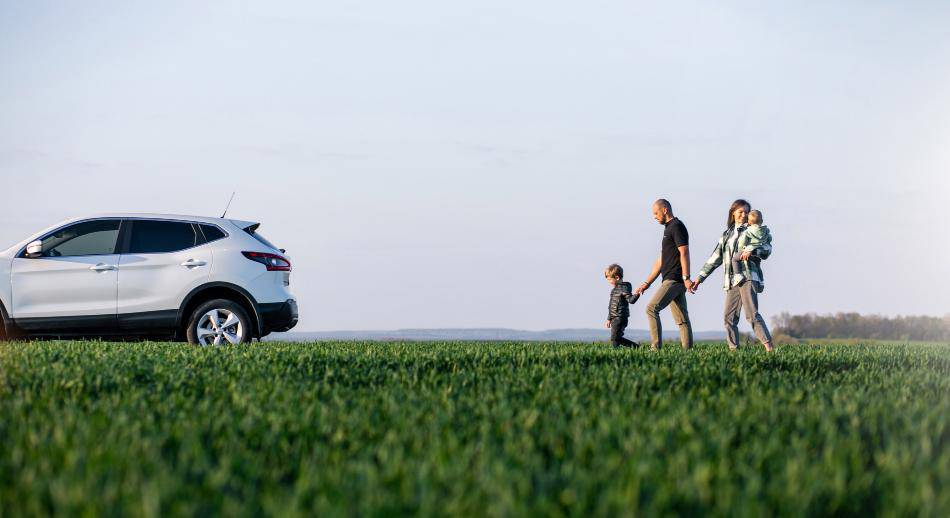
pixel 755 235
pixel 621 296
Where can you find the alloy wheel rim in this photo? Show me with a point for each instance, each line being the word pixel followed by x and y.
pixel 219 326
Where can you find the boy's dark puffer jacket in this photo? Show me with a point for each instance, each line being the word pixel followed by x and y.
pixel 620 298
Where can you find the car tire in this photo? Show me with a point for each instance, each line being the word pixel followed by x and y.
pixel 4 335
pixel 219 322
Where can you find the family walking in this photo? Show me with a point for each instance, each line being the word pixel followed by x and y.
pixel 740 251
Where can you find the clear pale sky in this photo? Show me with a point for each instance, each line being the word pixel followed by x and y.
pixel 433 164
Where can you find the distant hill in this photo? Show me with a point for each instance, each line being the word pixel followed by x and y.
pixel 500 334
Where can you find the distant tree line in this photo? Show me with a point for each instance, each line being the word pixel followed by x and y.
pixel 854 325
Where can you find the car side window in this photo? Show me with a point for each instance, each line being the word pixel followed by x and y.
pixel 212 233
pixel 155 237
pixel 97 237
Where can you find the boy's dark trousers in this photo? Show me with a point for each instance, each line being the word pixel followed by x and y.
pixel 617 326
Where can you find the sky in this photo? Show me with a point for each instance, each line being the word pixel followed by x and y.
pixel 478 164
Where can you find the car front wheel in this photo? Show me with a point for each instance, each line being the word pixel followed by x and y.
pixel 3 324
pixel 219 322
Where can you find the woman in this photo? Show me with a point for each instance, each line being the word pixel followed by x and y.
pixel 743 285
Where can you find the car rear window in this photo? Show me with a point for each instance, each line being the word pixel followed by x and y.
pixel 155 237
pixel 261 239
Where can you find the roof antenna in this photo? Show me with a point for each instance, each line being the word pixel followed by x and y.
pixel 229 204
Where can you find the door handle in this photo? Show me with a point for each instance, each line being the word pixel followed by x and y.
pixel 191 263
pixel 103 267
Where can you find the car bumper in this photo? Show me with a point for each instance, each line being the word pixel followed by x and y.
pixel 278 316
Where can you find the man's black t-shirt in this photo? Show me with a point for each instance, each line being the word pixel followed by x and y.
pixel 674 236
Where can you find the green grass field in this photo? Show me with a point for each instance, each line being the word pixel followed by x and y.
pixel 497 429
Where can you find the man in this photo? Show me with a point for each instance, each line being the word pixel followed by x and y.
pixel 673 264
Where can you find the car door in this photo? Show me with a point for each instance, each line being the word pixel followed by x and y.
pixel 72 284
pixel 162 261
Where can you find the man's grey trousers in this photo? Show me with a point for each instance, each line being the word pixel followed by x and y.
pixel 670 293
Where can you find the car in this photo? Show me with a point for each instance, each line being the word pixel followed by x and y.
pixel 206 280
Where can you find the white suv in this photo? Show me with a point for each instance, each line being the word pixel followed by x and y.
pixel 207 280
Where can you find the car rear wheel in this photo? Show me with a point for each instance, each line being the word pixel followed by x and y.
pixel 219 322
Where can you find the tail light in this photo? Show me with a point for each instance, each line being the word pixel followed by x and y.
pixel 273 262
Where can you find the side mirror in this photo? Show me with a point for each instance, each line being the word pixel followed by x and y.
pixel 34 249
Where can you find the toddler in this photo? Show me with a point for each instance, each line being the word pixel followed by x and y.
pixel 618 312
pixel 755 235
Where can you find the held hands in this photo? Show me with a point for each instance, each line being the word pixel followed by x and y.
pixel 692 286
pixel 641 288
